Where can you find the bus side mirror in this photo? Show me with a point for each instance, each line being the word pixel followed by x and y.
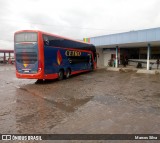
pixel 46 42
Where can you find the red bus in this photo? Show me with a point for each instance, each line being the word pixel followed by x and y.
pixel 40 55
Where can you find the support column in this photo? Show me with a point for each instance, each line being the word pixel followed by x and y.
pixel 4 58
pixel 119 55
pixel 116 56
pixel 148 56
pixel 139 53
pixel 9 55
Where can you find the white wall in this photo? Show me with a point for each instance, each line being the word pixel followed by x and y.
pixel 100 59
pixel 107 55
pixel 104 57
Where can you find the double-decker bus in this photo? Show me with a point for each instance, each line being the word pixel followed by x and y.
pixel 40 55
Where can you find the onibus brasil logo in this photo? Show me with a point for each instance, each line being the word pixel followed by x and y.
pixel 20 137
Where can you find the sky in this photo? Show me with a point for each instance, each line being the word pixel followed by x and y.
pixel 76 19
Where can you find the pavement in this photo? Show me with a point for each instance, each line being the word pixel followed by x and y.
pixel 6 67
pixel 99 102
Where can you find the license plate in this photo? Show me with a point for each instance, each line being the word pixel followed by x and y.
pixel 26 71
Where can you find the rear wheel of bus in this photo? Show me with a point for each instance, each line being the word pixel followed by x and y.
pixel 39 81
pixel 60 74
pixel 68 73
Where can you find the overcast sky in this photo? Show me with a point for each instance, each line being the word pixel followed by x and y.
pixel 76 18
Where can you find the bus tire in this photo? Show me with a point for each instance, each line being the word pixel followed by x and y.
pixel 39 81
pixel 60 74
pixel 92 67
pixel 68 73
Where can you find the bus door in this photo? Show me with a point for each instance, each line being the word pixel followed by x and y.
pixel 90 61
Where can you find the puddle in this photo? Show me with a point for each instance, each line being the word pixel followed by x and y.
pixel 71 105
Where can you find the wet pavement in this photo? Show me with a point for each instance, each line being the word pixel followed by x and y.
pixel 96 102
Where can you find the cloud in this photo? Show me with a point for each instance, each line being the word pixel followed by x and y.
pixel 76 19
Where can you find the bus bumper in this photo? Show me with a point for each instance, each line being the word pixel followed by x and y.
pixel 38 75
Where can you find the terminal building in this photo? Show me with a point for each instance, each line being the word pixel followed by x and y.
pixel 142 46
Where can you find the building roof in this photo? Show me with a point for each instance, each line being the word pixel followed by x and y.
pixel 140 38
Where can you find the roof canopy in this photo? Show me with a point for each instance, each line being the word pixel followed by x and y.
pixel 6 51
pixel 140 38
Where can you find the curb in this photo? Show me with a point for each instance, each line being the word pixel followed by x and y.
pixel 133 70
pixel 148 71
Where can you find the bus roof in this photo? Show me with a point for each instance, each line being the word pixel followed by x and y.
pixel 49 34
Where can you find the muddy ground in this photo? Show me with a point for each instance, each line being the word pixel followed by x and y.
pixel 91 103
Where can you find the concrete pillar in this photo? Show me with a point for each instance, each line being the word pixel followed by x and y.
pixel 116 56
pixel 148 55
pixel 4 58
pixel 9 55
pixel 119 55
pixel 139 53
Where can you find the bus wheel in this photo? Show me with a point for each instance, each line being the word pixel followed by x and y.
pixel 68 73
pixel 92 68
pixel 39 81
pixel 60 75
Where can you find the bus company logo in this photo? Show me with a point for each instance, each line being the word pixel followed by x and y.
pixel 59 58
pixel 72 53
pixel 25 65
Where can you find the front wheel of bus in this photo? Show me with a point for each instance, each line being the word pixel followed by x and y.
pixel 92 67
pixel 60 75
